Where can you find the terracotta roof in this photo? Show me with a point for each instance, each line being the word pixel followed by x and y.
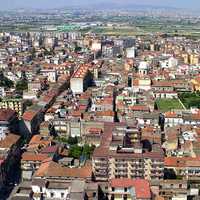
pixel 136 82
pixel 139 108
pixel 195 117
pixel 53 169
pixel 10 140
pixel 50 149
pixel 76 113
pixel 95 130
pixel 6 114
pixel 170 115
pixel 105 113
pixel 27 156
pixel 81 71
pixel 182 162
pixel 39 140
pixel 162 84
pixel 29 115
pixel 142 187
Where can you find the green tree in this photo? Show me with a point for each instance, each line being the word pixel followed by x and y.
pixel 87 150
pixel 72 140
pixel 5 82
pixel 75 151
pixel 21 85
pixel 77 49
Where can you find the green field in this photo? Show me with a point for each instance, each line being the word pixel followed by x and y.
pixel 165 105
pixel 117 31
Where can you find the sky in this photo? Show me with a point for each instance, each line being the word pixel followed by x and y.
pixel 15 4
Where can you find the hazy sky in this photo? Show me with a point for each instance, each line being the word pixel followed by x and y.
pixel 13 4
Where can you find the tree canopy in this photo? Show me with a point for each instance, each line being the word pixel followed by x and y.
pixel 5 82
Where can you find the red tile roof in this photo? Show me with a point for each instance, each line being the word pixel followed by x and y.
pixel 81 71
pixel 105 113
pixel 34 157
pixel 29 115
pixel 142 187
pixel 95 130
pixel 170 114
pixel 139 108
pixel 53 169
pixel 182 162
pixel 9 141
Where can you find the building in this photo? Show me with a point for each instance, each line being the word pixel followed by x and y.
pixel 14 104
pixel 129 189
pixel 130 52
pixel 120 158
pixel 51 75
pixel 9 157
pixel 170 189
pixel 8 122
pixel 81 80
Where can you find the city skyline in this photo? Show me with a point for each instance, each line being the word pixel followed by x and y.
pixel 50 4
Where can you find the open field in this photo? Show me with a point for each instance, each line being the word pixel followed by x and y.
pixel 165 105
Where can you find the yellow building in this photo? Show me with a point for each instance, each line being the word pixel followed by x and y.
pixel 194 59
pixel 185 57
pixel 196 84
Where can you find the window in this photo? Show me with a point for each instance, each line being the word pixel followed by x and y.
pixel 62 195
pixel 125 189
pixel 113 189
pixel 125 197
pixel 52 194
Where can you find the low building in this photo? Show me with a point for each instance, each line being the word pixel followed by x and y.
pixel 130 189
pixel 170 189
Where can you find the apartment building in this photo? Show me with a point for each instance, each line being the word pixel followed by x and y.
pixel 121 158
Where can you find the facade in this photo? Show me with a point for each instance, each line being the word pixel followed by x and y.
pixel 121 160
pixel 9 157
pixel 8 122
pixel 80 80
pixel 51 75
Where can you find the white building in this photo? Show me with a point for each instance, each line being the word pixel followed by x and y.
pixel 80 80
pixel 51 74
pixel 169 63
pixel 143 68
pixel 130 52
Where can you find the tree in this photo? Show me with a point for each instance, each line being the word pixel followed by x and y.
pixel 22 85
pixel 87 150
pixel 5 82
pixel 72 140
pixel 75 151
pixel 29 103
pixel 77 49
pixel 33 51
